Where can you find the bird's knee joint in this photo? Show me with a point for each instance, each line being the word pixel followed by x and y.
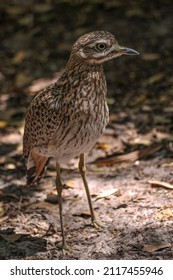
pixel 82 169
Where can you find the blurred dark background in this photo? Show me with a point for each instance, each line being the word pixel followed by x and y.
pixel 37 36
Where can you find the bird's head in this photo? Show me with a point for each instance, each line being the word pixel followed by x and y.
pixel 99 46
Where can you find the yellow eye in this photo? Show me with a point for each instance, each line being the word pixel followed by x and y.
pixel 100 46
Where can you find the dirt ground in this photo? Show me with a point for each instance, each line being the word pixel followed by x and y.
pixel 130 170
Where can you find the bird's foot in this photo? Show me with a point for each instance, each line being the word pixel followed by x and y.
pixel 98 224
pixel 65 249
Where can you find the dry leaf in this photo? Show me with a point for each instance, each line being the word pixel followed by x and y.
pixel 43 204
pixel 155 247
pixel 42 8
pixel 155 183
pixel 71 184
pixel 165 214
pixel 150 56
pixel 161 119
pixel 4 218
pixel 2 210
pixel 168 109
pixel 22 79
pixel 103 146
pixel 83 214
pixel 167 164
pixel 14 10
pixel 156 78
pixel 130 157
pixel 19 57
pixel 138 100
pixel 3 124
pixel 10 166
pixel 106 193
pixel 135 12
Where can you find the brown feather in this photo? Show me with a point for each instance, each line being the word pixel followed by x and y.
pixel 36 167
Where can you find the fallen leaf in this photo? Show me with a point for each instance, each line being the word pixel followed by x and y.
pixel 161 119
pixel 3 124
pixel 156 246
pixel 22 79
pixel 2 210
pixel 168 109
pixel 135 12
pixel 155 183
pixel 19 57
pixel 138 100
pixel 150 56
pixel 156 78
pixel 14 10
pixel 83 214
pixel 130 157
pixel 4 218
pixel 10 166
pixel 26 20
pixel 70 184
pixel 167 164
pixel 106 193
pixel 165 214
pixel 43 205
pixel 42 8
pixel 12 138
pixel 103 146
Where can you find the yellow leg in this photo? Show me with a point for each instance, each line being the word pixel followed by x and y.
pixel 59 187
pixel 82 170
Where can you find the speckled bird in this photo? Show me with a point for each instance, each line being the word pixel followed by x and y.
pixel 66 119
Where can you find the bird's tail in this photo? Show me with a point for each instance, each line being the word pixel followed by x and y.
pixel 36 167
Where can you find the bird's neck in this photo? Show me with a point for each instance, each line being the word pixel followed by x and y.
pixel 81 74
pixel 78 66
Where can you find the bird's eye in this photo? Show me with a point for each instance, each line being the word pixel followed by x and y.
pixel 100 46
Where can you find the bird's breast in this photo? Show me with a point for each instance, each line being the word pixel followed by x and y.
pixel 82 131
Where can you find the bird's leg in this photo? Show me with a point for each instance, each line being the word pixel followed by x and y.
pixel 59 187
pixel 82 170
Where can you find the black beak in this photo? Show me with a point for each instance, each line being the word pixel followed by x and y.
pixel 127 51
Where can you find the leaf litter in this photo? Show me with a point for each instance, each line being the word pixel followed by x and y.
pixel 135 150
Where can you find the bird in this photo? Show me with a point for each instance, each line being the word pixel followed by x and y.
pixel 65 119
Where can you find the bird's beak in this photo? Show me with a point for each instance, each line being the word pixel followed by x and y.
pixel 128 51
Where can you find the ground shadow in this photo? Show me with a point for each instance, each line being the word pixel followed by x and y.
pixel 23 247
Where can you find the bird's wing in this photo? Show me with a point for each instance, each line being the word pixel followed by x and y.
pixel 42 119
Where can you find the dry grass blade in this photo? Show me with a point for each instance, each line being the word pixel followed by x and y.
pixel 106 193
pixel 155 183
